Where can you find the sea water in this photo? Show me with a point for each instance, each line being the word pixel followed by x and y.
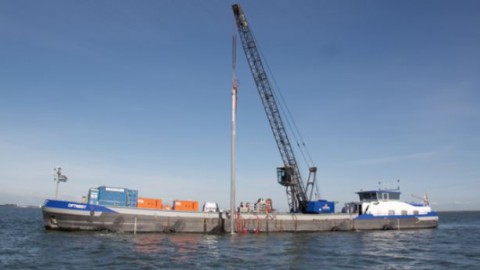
pixel 25 244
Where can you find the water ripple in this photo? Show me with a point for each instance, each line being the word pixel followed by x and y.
pixel 26 245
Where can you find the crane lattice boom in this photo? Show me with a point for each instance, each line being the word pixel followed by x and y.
pixel 289 175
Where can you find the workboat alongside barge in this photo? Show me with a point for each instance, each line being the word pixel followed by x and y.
pixel 382 209
pixel 377 210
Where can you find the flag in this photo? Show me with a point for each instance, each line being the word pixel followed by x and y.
pixel 62 178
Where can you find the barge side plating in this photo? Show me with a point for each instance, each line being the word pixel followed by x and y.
pixel 71 216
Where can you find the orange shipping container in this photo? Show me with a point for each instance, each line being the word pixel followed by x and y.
pixel 185 205
pixel 149 203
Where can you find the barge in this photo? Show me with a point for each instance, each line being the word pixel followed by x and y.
pixel 376 210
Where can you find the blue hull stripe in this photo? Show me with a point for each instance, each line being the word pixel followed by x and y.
pixel 77 206
pixel 370 216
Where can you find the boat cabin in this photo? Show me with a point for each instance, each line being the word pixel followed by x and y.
pixel 371 196
pixel 379 195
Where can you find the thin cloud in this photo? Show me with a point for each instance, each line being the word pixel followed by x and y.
pixel 392 159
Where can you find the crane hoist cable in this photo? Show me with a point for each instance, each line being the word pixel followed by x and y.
pixel 285 112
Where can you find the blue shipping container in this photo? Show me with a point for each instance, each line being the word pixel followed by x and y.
pixel 112 196
pixel 321 207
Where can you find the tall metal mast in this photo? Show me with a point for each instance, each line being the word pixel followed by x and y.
pixel 234 114
pixel 289 175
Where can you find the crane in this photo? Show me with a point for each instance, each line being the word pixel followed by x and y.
pixel 298 194
pixel 424 199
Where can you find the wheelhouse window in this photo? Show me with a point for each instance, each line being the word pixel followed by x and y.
pixel 394 195
pixel 368 196
pixel 385 195
pixel 388 195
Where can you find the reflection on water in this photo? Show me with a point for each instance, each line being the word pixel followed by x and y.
pixel 397 249
pixel 211 244
pixel 409 249
pixel 149 243
pixel 26 245
pixel 180 248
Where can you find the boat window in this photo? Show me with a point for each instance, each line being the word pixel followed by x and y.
pixel 385 195
pixel 394 196
pixel 368 196
pixel 391 212
pixel 404 212
pixel 415 212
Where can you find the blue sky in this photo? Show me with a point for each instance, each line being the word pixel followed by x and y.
pixel 137 94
